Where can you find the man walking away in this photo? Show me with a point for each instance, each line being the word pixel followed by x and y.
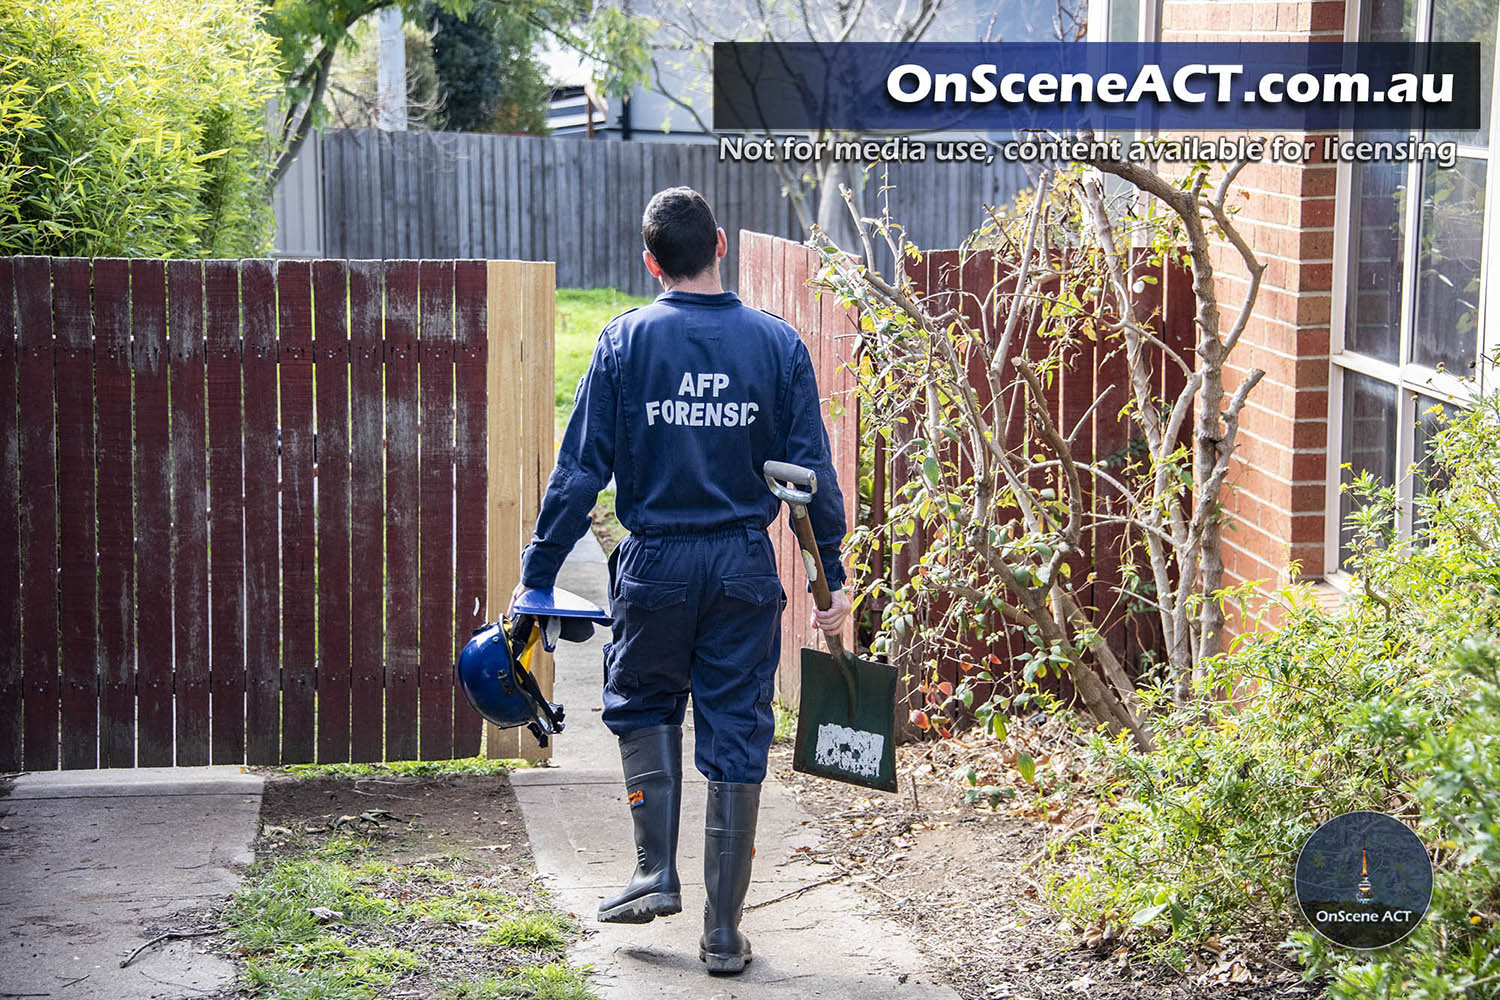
pixel 683 403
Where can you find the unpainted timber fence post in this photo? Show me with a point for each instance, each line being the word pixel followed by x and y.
pixel 521 449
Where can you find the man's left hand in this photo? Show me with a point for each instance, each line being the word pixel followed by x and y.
pixel 833 619
pixel 515 595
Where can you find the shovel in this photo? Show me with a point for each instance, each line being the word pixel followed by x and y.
pixel 847 710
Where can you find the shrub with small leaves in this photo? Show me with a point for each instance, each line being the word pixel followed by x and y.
pixel 1391 704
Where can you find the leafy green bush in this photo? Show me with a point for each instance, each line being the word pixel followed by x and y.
pixel 134 129
pixel 1390 704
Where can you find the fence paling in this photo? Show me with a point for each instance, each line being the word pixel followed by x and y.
pixel 435 600
pixel 520 429
pixel 37 506
pixel 116 514
pixel 140 551
pixel 262 515
pixel 75 508
pixel 294 365
pixel 366 511
pixel 221 283
pixel 331 360
pixel 153 528
pixel 401 499
pixel 11 671
pixel 190 512
pixel 471 487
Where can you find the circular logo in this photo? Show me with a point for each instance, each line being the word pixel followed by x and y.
pixel 1364 880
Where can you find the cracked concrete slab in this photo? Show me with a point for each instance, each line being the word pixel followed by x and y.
pixel 94 862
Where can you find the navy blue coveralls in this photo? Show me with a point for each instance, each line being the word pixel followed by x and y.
pixel 684 401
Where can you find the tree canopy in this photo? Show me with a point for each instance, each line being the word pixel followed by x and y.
pixel 309 32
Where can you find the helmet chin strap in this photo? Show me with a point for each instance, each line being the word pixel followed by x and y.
pixel 549 718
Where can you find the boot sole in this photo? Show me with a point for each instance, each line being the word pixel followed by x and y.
pixel 643 910
pixel 724 964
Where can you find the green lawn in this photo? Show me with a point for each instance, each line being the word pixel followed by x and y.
pixel 581 314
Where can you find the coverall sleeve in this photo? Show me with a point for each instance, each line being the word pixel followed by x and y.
pixel 584 466
pixel 807 445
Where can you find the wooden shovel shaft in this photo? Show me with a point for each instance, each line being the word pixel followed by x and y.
pixel 802 524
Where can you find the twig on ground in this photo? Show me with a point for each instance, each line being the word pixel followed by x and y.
pixel 798 892
pixel 169 936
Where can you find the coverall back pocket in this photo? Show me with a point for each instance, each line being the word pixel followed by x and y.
pixel 651 595
pixel 754 589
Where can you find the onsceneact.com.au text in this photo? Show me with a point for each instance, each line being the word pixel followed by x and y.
pixel 1195 83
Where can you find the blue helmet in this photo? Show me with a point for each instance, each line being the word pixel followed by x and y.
pixel 493 669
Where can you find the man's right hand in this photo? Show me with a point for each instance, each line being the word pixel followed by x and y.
pixel 832 620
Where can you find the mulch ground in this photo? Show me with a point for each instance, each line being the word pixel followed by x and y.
pixel 964 879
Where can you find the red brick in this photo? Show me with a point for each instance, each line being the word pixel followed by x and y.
pixel 1310 555
pixel 1307 529
pixel 1319 182
pixel 1308 466
pixel 1327 16
pixel 1314 310
pixel 1315 245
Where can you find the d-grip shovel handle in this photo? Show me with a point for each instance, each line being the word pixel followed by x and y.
pixel 777 474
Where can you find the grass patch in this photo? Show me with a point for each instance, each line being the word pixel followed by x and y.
pixel 463 906
pixel 530 931
pixel 554 981
pixel 330 967
pixel 607 526
pixel 406 768
pixel 341 922
pixel 580 315
pixel 288 904
pixel 786 722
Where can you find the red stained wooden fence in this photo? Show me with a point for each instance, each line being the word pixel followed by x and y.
pixel 774 275
pixel 234 487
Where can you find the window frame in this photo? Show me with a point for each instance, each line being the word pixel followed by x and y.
pixel 1412 381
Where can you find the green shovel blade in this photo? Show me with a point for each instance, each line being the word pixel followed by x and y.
pixel 846 721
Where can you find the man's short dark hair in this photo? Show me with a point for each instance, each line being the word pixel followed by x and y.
pixel 679 230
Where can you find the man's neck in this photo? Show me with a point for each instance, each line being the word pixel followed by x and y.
pixel 707 283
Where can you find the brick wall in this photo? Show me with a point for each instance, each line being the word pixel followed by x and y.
pixel 1286 212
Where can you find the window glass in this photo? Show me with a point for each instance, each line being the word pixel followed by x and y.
pixel 1374 324
pixel 1431 417
pixel 1125 20
pixel 1369 442
pixel 1390 21
pixel 1450 238
pixel 1469 21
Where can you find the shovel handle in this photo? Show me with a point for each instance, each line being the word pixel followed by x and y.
pixel 802 524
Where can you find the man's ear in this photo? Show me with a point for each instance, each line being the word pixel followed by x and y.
pixel 721 243
pixel 652 267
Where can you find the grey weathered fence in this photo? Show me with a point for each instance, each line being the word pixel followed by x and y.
pixel 363 193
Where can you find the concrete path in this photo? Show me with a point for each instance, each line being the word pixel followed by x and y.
pixel 825 942
pixel 93 859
